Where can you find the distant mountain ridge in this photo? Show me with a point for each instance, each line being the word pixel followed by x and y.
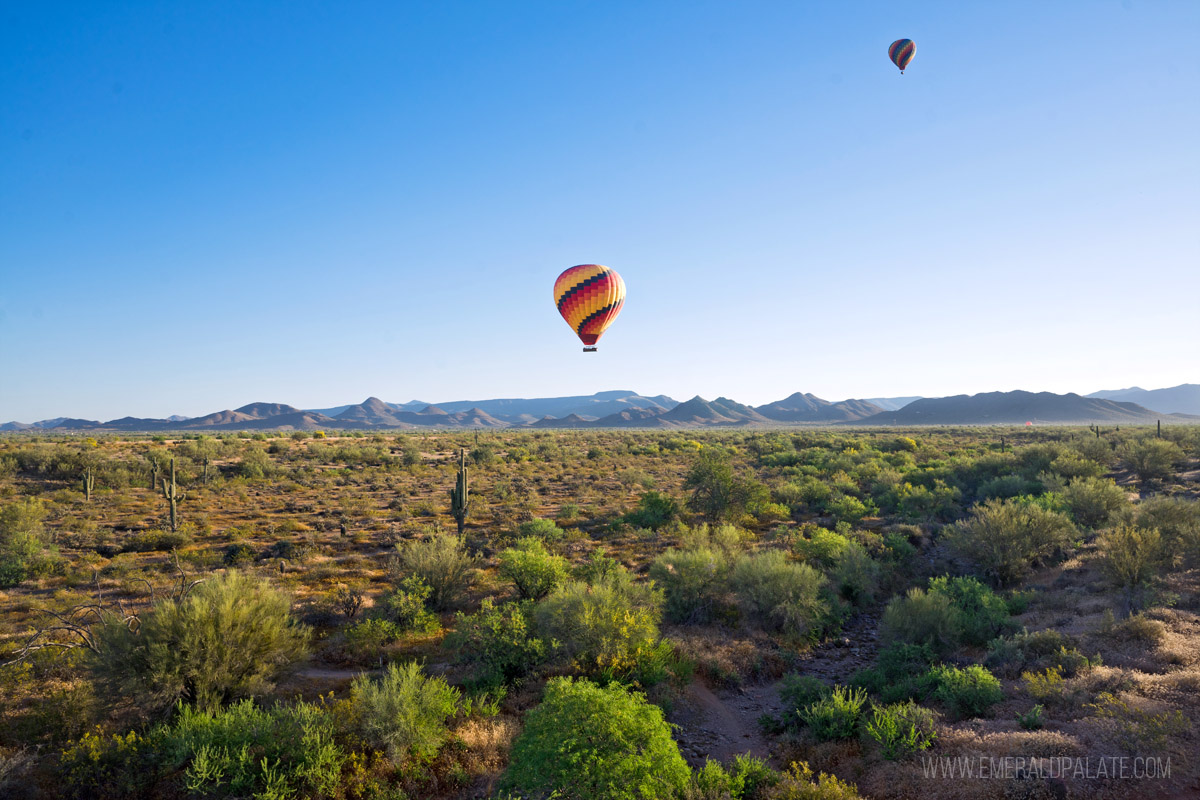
pixel 891 403
pixel 810 408
pixel 626 409
pixel 1182 399
pixel 1016 408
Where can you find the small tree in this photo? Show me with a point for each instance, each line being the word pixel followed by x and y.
pixel 780 594
pixel 585 742
pixel 694 580
pixel 717 493
pixel 404 713
pixel 603 625
pixel 1093 500
pixel 533 570
pixel 443 563
pixel 499 641
pixel 1132 558
pixel 25 551
pixel 1005 539
pixel 923 618
pixel 224 640
pixel 1151 459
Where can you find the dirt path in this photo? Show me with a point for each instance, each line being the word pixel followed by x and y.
pixel 724 723
pixel 333 674
pixel 721 725
pixel 836 660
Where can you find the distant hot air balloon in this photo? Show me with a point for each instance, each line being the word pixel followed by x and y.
pixel 1028 424
pixel 589 297
pixel 901 52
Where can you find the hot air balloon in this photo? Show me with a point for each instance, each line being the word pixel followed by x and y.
pixel 901 52
pixel 589 297
pixel 1028 424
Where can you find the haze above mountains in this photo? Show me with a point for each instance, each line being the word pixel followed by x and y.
pixel 627 409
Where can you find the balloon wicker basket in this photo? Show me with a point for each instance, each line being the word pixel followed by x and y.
pixel 589 349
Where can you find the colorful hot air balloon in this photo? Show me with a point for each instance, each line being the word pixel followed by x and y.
pixel 901 52
pixel 589 297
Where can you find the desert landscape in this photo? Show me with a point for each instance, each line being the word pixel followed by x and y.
pixel 623 400
pixel 782 613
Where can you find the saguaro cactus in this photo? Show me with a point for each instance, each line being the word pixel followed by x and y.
pixel 173 495
pixel 89 482
pixel 459 500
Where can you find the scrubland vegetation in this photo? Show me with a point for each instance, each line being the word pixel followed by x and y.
pixel 744 614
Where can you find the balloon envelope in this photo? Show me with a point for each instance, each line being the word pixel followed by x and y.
pixel 589 297
pixel 901 52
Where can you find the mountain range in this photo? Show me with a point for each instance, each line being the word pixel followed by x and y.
pixel 1182 399
pixel 626 409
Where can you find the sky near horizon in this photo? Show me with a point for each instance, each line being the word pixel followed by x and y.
pixel 206 205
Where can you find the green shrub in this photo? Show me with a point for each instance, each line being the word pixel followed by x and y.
pixel 923 618
pixel 1136 628
pixel 404 713
pixel 544 529
pixel 1151 459
pixel 365 640
pixel 1005 539
pixel 405 606
pixel 798 691
pixel 901 729
pixel 1033 719
pixel 240 751
pixel 1010 655
pixel 749 778
pixel 1006 486
pixel 1177 519
pixel 799 782
pixel 25 551
pixel 848 508
pixel 725 539
pixel 599 567
pixel 821 548
pixel 1047 686
pixel 1132 557
pixel 855 574
pixel 835 716
pixel 239 554
pixel 717 492
pixel 969 692
pixel 444 565
pixel 983 614
pixel 160 541
pixel 246 750
pixel 1138 730
pixel 226 640
pixel 901 672
pixel 605 625
pixel 584 742
pixel 532 570
pixel 898 549
pixel 654 510
pixel 499 641
pixel 781 595
pixel 694 582
pixel 1094 500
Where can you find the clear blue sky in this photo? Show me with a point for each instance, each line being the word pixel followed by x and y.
pixel 208 204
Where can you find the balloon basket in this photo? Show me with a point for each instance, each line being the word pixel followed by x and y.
pixel 589 349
